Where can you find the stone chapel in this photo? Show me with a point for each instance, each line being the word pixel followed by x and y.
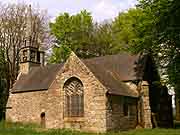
pixel 108 93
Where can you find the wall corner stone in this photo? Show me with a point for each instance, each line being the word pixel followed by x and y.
pixel 145 105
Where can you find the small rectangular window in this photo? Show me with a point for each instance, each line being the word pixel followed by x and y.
pixel 125 107
pixel 38 56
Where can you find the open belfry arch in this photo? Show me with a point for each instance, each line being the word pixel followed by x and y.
pixel 30 54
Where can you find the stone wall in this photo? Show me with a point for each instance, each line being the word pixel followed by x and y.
pixel 145 105
pixel 102 112
pixel 26 67
pixel 28 106
pixel 116 119
pixel 94 97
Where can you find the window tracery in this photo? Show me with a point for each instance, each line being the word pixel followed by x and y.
pixel 74 98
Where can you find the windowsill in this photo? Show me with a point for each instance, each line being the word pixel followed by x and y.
pixel 74 119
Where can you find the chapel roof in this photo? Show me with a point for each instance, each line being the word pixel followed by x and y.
pixel 111 70
pixel 123 65
pixel 39 78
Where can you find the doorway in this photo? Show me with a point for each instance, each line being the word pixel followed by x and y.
pixel 43 120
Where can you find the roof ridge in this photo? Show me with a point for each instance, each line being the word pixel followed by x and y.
pixel 110 55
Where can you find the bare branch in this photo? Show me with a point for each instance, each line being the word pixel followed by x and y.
pixel 14 19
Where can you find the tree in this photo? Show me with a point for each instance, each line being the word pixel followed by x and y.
pixel 79 34
pixel 152 27
pixel 134 30
pixel 166 40
pixel 20 25
pixel 3 83
pixel 166 36
pixel 102 40
pixel 72 33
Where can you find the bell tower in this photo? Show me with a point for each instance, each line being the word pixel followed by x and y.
pixel 30 55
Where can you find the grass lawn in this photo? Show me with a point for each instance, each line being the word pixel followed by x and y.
pixel 30 129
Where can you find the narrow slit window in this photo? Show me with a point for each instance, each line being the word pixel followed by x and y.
pixel 24 58
pixel 125 107
pixel 32 56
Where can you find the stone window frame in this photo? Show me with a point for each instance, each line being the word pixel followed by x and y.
pixel 74 98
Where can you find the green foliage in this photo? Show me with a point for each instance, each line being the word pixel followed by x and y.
pixel 134 30
pixel 17 129
pixel 165 36
pixel 124 29
pixel 31 129
pixel 79 34
pixel 102 40
pixel 153 27
pixel 174 73
pixel 72 33
pixel 131 31
pixel 60 54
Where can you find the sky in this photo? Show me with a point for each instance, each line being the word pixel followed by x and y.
pixel 100 9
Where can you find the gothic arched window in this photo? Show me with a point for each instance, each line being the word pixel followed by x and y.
pixel 74 98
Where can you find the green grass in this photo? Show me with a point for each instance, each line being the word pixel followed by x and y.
pixel 31 129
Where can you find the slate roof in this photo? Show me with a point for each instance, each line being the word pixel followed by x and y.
pixel 112 70
pixel 124 65
pixel 39 78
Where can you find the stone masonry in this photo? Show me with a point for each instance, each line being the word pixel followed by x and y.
pixel 116 120
pixel 146 110
pixel 108 103
pixel 27 107
pixel 102 112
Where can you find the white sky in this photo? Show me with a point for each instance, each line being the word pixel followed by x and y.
pixel 100 9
